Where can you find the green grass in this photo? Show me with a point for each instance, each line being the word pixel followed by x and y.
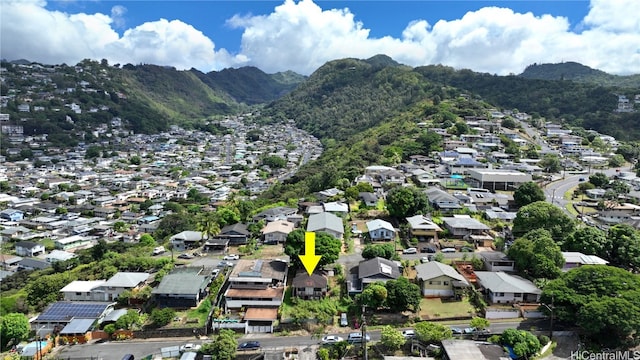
pixel 436 308
pixel 200 313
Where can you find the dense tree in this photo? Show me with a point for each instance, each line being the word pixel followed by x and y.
pixel 624 250
pixel 542 215
pixel 429 332
pixel 147 240
pixel 47 289
pixel 274 162
pixel 588 240
pixel 373 296
pixel 528 193
pixel 537 254
pixel 173 224
pixel 99 249
pixel 224 346
pixel 14 328
pixel 386 251
pixel 129 320
pixel 326 245
pixel 208 223
pixel 509 123
pixel 479 323
pixel 403 295
pixel 601 300
pixel 616 160
pixel 430 141
pixel 391 338
pixel 550 163
pixel 599 180
pixel 404 201
pixel 162 317
pixel 523 343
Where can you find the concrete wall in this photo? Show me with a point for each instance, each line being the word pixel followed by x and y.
pixel 501 313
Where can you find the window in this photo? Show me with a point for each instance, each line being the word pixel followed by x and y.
pixel 445 283
pixel 78 293
pixel 499 294
pixel 517 294
pixel 434 282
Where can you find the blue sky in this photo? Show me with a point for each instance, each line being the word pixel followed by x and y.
pixel 490 36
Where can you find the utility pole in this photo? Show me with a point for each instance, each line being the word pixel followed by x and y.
pixel 550 308
pixel 364 334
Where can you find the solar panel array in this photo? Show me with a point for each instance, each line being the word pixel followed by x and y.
pixel 65 311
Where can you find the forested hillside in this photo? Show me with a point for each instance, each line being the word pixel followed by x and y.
pixel 577 72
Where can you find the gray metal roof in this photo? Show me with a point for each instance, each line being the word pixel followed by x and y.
pixel 503 282
pixel 325 220
pixel 464 223
pixel 182 283
pixel 434 269
pixel 127 279
pixel 378 267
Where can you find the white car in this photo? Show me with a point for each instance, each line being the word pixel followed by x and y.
pixel 410 250
pixel 189 347
pixel 409 334
pixel 331 339
pixel 231 257
pixel 424 259
pixel 448 250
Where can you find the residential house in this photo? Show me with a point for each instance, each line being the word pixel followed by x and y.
pixel 457 349
pixel 183 287
pixel 422 228
pixel 104 212
pixel 276 232
pixel 337 208
pixel 83 290
pixel 276 213
pixel 497 261
pixel 368 198
pixel 442 200
pixel 9 262
pixel 326 222
pixel 29 248
pixel 11 214
pixel 461 226
pixel 258 287
pixel 497 179
pixel 371 271
pixel 81 316
pixel 381 230
pixel 72 242
pixel 309 287
pixel 236 233
pixel 186 240
pixel 577 259
pixel 14 233
pixel 32 264
pixel 59 255
pixel 502 288
pixel 439 280
pixel 123 281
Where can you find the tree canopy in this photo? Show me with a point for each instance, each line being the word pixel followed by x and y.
pixel 537 255
pixel 601 300
pixel 528 193
pixel 224 346
pixel 429 332
pixel 391 338
pixel 542 215
pixel 326 245
pixel 386 251
pixel 403 295
pixel 404 201
pixel 14 328
pixel 523 343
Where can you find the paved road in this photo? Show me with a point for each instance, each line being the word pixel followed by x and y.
pixel 269 342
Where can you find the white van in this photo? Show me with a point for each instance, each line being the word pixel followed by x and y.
pixel 159 250
pixel 356 337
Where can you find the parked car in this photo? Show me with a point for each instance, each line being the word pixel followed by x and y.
pixel 428 249
pixel 356 337
pixel 456 330
pixel 185 256
pixel 448 250
pixel 409 334
pixel 410 250
pixel 249 345
pixel 189 347
pixel 225 264
pixel 467 249
pixel 231 257
pixel 343 319
pixel 215 272
pixel 331 339
pixel 424 259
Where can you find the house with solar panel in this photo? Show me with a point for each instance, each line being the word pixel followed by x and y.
pixel 370 271
pixel 71 317
pixel 257 286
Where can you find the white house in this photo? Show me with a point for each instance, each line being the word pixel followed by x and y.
pixel 276 231
pixel 29 248
pixel 502 288
pixel 381 230
pixel 83 290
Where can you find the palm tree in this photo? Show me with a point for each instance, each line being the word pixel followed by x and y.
pixel 208 224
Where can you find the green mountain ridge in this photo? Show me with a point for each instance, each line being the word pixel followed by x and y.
pixel 577 72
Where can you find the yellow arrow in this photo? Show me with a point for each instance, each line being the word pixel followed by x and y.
pixel 310 260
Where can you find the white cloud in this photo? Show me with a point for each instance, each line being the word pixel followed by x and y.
pixel 117 14
pixel 301 36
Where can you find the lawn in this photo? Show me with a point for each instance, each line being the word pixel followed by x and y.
pixel 440 309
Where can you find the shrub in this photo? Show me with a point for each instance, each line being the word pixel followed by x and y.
pixel 544 340
pixel 162 317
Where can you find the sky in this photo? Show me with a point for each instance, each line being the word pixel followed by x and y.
pixel 497 37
